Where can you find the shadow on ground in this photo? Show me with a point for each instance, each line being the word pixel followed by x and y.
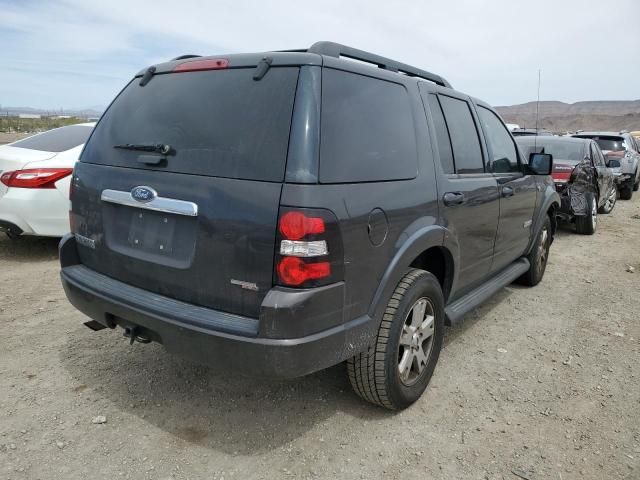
pixel 212 408
pixel 28 249
pixel 203 405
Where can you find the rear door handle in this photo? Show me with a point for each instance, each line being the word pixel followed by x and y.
pixel 507 191
pixel 453 198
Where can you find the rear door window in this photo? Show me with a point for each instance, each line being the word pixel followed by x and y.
pixel 367 130
pixel 57 140
pixel 442 134
pixel 467 153
pixel 219 123
pixel 502 148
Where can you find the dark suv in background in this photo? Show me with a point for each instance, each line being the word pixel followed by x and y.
pixel 282 212
pixel 582 177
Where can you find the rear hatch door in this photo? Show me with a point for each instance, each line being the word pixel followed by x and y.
pixel 198 223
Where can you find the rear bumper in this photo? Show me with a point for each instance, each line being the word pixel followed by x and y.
pixel 209 336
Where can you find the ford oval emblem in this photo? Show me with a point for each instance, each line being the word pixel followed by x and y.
pixel 143 194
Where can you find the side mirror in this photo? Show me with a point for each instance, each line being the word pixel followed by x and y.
pixel 541 163
pixel 614 163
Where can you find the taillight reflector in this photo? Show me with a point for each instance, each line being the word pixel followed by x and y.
pixel 296 225
pixel 35 178
pixel 294 271
pixel 208 64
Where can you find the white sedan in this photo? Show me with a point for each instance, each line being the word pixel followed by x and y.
pixel 34 181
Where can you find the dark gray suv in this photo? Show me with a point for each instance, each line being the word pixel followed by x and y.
pixel 283 212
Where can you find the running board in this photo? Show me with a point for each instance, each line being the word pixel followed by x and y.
pixel 456 310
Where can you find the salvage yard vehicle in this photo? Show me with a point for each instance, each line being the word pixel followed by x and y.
pixel 279 213
pixel 622 147
pixel 34 181
pixel 585 183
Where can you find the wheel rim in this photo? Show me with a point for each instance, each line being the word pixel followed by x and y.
pixel 416 341
pixel 594 213
pixel 543 249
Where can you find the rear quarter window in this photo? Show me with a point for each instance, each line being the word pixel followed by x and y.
pixel 57 140
pixel 367 130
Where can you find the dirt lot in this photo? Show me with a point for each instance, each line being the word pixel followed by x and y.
pixel 539 383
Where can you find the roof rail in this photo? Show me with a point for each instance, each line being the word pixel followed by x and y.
pixel 332 49
pixel 183 57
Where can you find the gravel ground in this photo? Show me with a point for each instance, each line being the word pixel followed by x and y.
pixel 538 383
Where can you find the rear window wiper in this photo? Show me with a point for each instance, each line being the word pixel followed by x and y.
pixel 160 148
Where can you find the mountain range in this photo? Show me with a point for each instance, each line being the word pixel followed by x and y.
pixel 561 117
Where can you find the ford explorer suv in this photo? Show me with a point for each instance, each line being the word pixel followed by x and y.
pixel 283 212
pixel 620 148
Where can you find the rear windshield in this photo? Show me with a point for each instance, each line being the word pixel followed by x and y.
pixel 563 150
pixel 219 123
pixel 57 140
pixel 610 144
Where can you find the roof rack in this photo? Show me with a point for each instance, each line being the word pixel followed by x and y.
pixel 332 49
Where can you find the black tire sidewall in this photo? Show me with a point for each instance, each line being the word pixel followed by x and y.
pixel 536 276
pixel 424 286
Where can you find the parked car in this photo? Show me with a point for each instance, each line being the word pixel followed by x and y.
pixel 281 213
pixel 622 147
pixel 34 181
pixel 586 185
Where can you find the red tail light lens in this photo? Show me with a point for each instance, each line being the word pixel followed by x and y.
pixel 296 225
pixel 310 252
pixel 561 173
pixel 35 178
pixel 294 271
pixel 207 64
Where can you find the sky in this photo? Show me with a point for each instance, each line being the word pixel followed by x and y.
pixel 79 53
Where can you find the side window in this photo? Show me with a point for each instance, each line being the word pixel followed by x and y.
pixel 368 131
pixel 467 153
pixel 442 135
pixel 504 155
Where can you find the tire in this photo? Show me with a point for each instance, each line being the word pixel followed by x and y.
pixel 626 189
pixel 636 183
pixel 375 374
pixel 610 202
pixel 586 224
pixel 539 256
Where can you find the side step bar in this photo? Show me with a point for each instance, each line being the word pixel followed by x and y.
pixel 456 310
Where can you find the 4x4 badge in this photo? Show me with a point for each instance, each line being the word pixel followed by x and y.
pixel 143 194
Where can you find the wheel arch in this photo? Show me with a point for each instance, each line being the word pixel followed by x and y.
pixel 430 248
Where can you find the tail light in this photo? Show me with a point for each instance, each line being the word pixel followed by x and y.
pixel 561 173
pixel 35 178
pixel 310 248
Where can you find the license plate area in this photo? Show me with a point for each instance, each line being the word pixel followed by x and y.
pixel 152 232
pixel 156 237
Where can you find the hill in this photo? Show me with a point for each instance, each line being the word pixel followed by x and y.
pixel 560 116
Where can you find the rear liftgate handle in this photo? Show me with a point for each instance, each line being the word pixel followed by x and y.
pixel 507 191
pixel 453 198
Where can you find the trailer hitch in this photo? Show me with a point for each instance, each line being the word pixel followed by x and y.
pixel 134 335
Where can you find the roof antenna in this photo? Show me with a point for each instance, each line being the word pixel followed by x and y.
pixel 535 141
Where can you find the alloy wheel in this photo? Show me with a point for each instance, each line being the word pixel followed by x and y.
pixel 416 341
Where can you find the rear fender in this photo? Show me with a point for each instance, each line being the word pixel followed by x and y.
pixel 410 244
